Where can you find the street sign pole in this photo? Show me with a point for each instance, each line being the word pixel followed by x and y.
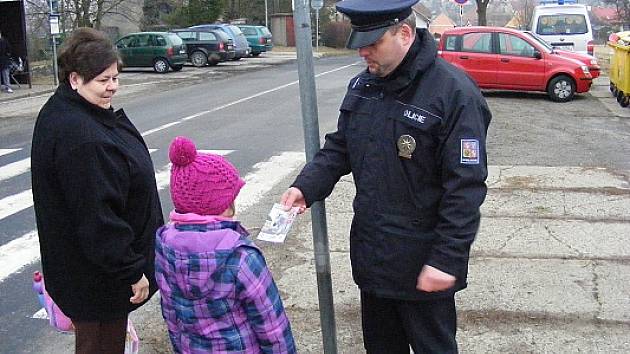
pixel 461 11
pixel 54 30
pixel 317 5
pixel 317 31
pixel 308 100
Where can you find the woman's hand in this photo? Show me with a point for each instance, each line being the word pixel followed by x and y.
pixel 140 290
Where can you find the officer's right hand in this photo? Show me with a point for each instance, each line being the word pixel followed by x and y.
pixel 293 197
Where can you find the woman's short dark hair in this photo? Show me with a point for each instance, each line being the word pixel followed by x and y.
pixel 87 52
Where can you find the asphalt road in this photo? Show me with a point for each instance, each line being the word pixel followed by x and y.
pixel 253 116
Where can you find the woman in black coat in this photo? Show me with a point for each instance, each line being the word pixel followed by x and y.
pixel 95 196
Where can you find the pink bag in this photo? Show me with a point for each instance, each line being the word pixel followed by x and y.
pixel 63 323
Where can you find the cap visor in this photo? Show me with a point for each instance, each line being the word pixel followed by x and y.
pixel 363 39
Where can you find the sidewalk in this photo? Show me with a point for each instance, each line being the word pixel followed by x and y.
pixel 25 91
pixel 549 272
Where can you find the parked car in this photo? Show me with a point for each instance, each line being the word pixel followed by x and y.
pixel 588 60
pixel 241 46
pixel 206 46
pixel 160 50
pixel 507 59
pixel 259 38
pixel 564 24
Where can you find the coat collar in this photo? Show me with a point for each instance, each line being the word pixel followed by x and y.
pixel 107 117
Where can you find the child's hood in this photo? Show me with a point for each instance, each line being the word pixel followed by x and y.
pixel 198 257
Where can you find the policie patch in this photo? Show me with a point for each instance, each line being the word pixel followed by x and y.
pixel 469 152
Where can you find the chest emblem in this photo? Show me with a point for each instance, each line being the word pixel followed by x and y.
pixel 406 146
pixel 469 151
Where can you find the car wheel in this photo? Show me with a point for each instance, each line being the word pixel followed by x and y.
pixel 561 89
pixel 177 67
pixel 619 96
pixel 255 54
pixel 625 102
pixel 611 87
pixel 199 59
pixel 160 65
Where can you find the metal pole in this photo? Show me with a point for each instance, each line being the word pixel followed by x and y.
pixel 308 99
pixel 54 45
pixel 317 30
pixel 266 16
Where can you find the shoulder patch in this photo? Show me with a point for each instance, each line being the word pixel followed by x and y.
pixel 469 151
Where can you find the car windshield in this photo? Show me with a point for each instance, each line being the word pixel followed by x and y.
pixel 542 42
pixel 236 30
pixel 560 24
pixel 265 31
pixel 174 39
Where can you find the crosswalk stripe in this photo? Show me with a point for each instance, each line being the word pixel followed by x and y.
pixel 7 151
pixel 25 250
pixel 14 169
pixel 16 203
pixel 18 253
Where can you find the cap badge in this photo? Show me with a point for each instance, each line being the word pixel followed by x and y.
pixel 406 146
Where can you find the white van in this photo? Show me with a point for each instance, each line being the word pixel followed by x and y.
pixel 564 25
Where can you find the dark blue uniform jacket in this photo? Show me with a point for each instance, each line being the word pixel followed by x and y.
pixel 408 212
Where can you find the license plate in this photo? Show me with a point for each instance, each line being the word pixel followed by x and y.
pixel 564 47
pixel 182 51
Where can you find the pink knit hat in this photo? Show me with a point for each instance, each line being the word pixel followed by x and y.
pixel 204 184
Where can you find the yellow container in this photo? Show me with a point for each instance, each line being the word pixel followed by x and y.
pixel 620 68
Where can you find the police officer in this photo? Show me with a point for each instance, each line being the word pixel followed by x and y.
pixel 412 131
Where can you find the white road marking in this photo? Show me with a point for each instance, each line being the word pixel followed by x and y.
pixel 7 151
pixel 199 114
pixel 25 250
pixel 15 203
pixel 41 314
pixel 18 253
pixel 265 176
pixel 15 169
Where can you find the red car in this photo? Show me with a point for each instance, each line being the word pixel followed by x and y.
pixel 506 59
pixel 588 60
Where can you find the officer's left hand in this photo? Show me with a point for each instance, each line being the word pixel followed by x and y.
pixel 432 279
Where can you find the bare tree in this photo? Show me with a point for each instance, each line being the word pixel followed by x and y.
pixel 81 13
pixel 622 8
pixel 523 11
pixel 482 8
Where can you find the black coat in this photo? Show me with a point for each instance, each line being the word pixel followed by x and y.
pixel 96 204
pixel 5 51
pixel 408 211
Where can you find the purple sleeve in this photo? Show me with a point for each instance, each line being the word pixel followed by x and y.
pixel 263 305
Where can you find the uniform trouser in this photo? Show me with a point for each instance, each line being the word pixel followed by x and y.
pixel 390 326
pixel 5 79
pixel 100 337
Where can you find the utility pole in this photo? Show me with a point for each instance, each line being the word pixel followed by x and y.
pixel 53 19
pixel 308 100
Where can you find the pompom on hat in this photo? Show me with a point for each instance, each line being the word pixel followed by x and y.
pixel 204 184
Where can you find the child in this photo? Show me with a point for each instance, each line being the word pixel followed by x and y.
pixel 218 295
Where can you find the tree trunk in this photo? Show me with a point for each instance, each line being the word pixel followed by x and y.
pixel 481 15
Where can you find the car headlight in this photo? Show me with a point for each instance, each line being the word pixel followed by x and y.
pixel 585 69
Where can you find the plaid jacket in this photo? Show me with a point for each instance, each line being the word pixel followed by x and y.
pixel 218 295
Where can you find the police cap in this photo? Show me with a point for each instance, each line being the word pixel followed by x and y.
pixel 370 19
